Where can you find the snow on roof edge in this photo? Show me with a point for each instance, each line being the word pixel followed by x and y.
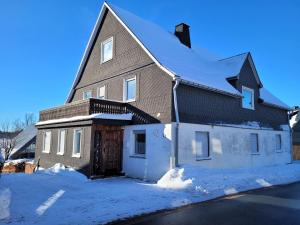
pixel 127 116
pixel 272 100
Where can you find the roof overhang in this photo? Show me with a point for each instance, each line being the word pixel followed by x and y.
pixel 197 85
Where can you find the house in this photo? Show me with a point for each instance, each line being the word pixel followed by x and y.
pixel 144 101
pixel 24 144
pixel 295 125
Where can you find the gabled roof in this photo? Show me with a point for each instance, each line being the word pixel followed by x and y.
pixel 177 60
pixel 270 99
pixel 23 138
pixel 243 57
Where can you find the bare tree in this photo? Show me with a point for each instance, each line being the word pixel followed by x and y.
pixel 18 125
pixel 29 119
pixel 8 139
pixel 11 130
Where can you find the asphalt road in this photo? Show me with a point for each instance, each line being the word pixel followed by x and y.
pixel 272 206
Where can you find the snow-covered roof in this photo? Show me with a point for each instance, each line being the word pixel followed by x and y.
pixel 177 60
pixel 125 116
pixel 23 138
pixel 271 99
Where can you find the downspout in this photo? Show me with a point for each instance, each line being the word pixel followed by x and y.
pixel 291 136
pixel 177 121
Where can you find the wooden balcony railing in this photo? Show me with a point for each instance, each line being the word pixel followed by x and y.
pixel 93 106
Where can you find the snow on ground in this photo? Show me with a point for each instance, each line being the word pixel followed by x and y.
pixel 64 196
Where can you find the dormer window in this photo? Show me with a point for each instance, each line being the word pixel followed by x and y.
pixel 248 98
pixel 107 50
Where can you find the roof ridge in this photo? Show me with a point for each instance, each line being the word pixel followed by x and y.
pixel 234 56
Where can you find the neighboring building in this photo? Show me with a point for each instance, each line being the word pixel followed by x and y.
pixel 295 125
pixel 144 101
pixel 24 144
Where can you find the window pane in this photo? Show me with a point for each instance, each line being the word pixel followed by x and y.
pixel 62 141
pixel 87 94
pixel 202 150
pixel 278 141
pixel 140 143
pixel 131 89
pixel 254 143
pixel 247 99
pixel 47 141
pixel 101 92
pixel 77 142
pixel 107 50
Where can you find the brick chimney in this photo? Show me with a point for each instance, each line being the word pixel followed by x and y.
pixel 182 31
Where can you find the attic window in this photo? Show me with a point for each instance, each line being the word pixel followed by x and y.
pixel 107 50
pixel 248 98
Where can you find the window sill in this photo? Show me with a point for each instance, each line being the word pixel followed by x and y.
pixel 105 61
pixel 46 152
pixel 130 100
pixel 138 156
pixel 76 156
pixel 60 153
pixel 248 108
pixel 255 153
pixel 202 159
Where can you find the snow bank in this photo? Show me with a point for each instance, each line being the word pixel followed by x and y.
pixel 174 179
pixel 62 170
pixel 40 198
pixel 218 182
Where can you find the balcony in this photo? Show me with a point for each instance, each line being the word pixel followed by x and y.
pixel 94 106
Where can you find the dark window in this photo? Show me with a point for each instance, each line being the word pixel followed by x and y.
pixel 278 142
pixel 254 143
pixel 140 142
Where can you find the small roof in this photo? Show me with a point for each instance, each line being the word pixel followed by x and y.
pixel 23 138
pixel 106 116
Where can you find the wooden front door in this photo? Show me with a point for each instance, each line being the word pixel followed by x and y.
pixel 108 145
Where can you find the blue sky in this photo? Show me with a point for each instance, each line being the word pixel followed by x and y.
pixel 42 42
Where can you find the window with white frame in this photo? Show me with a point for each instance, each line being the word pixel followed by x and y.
pixel 129 89
pixel 87 95
pixel 278 142
pixel 77 139
pixel 107 50
pixel 202 145
pixel 140 142
pixel 254 143
pixel 101 92
pixel 61 142
pixel 47 141
pixel 248 98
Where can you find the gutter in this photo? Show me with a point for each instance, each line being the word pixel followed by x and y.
pixel 177 80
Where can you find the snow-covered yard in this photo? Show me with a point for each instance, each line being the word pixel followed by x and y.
pixel 63 196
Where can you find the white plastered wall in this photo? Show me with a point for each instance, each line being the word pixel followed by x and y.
pixel 229 147
pixel 158 157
